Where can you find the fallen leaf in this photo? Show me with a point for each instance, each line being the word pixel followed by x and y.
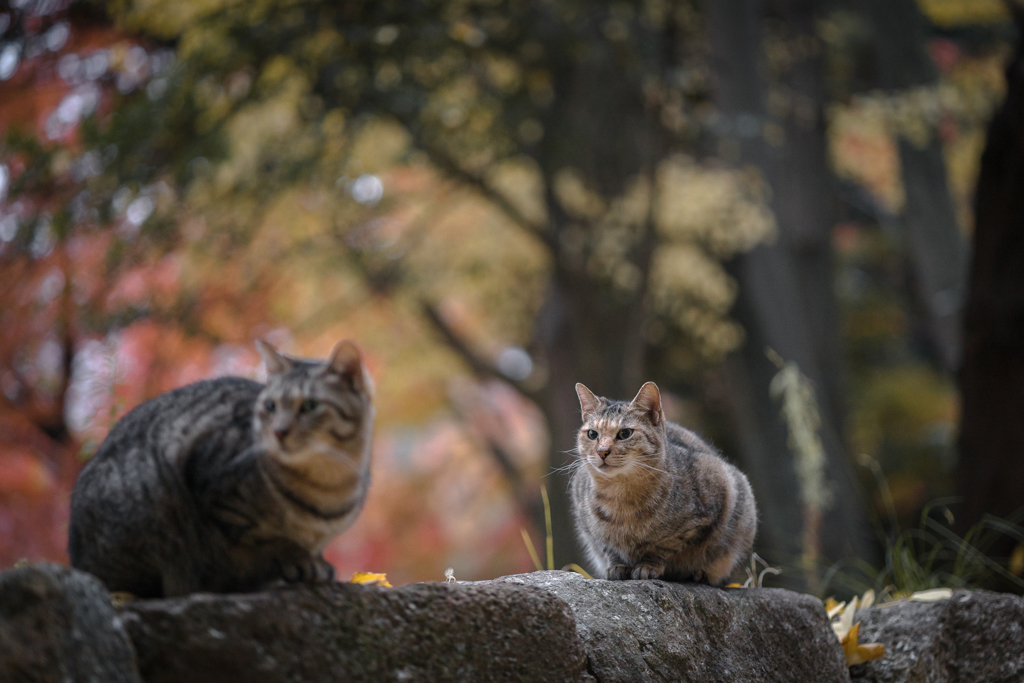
pixel 868 599
pixel 370 579
pixel 832 608
pixel 857 653
pixel 121 598
pixel 932 595
pixel 845 623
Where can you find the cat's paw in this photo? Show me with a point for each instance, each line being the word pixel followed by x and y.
pixel 618 572
pixel 645 570
pixel 312 570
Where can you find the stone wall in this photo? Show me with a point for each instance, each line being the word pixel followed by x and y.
pixel 58 625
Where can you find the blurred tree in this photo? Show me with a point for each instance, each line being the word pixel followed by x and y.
pixel 771 94
pixel 510 177
pixel 193 195
pixel 990 473
pixel 38 305
pixel 912 96
pixel 566 117
pixel 900 64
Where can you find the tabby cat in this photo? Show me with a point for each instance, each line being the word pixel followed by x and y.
pixel 229 485
pixel 652 500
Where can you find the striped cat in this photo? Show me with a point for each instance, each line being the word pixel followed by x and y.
pixel 228 485
pixel 652 500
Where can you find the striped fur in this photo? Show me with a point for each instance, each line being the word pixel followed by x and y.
pixel 656 501
pixel 226 484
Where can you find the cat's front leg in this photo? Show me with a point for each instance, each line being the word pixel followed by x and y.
pixel 648 568
pixel 618 572
pixel 618 566
pixel 313 569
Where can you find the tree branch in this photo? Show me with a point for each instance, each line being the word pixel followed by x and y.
pixel 479 365
pixel 453 170
pixel 504 460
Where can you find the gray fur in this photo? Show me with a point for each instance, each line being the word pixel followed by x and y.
pixel 659 503
pixel 204 488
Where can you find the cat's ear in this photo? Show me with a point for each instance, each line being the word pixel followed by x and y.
pixel 588 402
pixel 277 363
pixel 347 361
pixel 648 399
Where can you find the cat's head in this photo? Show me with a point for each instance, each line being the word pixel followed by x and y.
pixel 619 437
pixel 310 406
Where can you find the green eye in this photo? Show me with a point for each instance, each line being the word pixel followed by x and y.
pixel 308 405
pixel 624 434
pixel 270 405
pixel 592 435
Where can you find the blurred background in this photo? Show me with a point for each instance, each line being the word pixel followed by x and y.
pixel 766 206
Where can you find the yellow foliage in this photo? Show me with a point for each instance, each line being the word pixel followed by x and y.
pixel 958 12
pixel 862 150
pixel 724 209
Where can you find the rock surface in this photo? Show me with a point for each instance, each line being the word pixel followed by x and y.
pixel 345 632
pixel 57 624
pixel 657 631
pixel 973 636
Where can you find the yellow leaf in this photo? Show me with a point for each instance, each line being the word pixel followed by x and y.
pixel 932 595
pixel 857 653
pixel 733 585
pixel 868 599
pixel 371 579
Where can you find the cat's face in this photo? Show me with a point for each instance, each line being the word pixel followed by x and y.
pixel 314 407
pixel 616 437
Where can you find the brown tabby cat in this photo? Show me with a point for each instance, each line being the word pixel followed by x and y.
pixel 652 500
pixel 228 485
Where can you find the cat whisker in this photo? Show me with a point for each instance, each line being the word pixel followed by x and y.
pixel 655 469
pixel 565 468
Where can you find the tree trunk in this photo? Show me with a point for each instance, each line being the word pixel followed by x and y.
pixel 990 473
pixel 785 289
pixel 590 338
pixel 591 330
pixel 937 249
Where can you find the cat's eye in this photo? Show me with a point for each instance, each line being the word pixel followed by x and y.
pixel 269 405
pixel 308 405
pixel 592 435
pixel 624 434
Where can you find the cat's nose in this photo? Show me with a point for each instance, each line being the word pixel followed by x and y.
pixel 281 431
pixel 605 453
